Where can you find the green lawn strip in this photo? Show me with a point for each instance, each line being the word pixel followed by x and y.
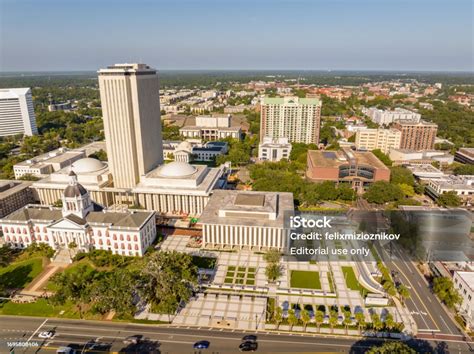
pixel 305 279
pixel 331 281
pixel 352 282
pixel 230 268
pixel 40 307
pixel 19 274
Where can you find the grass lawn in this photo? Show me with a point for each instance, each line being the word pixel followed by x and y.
pixel 240 275
pixel 352 282
pixel 39 308
pixel 19 274
pixel 305 279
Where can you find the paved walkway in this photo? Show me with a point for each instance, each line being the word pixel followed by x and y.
pixel 42 279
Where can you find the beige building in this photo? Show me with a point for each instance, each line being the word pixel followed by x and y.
pixel 130 98
pixel 383 139
pixel 297 119
pixel 250 220
pixel 417 135
pixel 14 195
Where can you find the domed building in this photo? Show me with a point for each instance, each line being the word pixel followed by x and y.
pixel 179 188
pixel 81 224
pixel 91 173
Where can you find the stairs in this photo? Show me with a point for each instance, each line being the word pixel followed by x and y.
pixel 62 257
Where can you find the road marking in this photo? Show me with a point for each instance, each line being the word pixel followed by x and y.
pixel 37 329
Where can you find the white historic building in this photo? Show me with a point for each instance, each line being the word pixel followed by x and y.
pixel 250 220
pixel 274 149
pixel 80 222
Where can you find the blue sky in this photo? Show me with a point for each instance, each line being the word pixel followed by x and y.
pixel 237 34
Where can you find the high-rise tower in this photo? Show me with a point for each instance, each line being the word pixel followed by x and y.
pixel 130 98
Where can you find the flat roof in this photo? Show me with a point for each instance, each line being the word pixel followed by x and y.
pixel 468 278
pixel 9 187
pixel 247 208
pixel 321 158
pixel 292 99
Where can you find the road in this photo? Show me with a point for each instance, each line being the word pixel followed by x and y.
pixel 165 339
pixel 428 313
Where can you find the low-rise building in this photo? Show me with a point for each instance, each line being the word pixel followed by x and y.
pixel 271 149
pixel 250 220
pixel 45 164
pixel 465 155
pixel 383 139
pixel 385 117
pixel 14 195
pixel 355 168
pixel 463 186
pixel 82 222
pixel 212 128
pixel 414 157
pixel 189 150
pixel 464 284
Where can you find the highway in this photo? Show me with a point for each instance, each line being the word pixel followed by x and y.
pixel 166 339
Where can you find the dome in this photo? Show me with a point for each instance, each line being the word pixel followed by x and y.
pixel 176 169
pixel 75 190
pixel 185 146
pixel 87 165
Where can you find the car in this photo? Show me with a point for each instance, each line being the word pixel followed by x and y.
pixel 133 339
pixel 202 344
pixel 248 346
pixel 65 350
pixel 249 338
pixel 46 334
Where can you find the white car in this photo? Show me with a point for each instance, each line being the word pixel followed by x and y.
pixel 46 334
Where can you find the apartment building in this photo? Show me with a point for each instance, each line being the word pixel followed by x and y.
pixel 385 117
pixel 417 135
pixel 297 119
pixel 383 139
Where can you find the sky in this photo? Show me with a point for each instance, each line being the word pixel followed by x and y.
pixel 402 35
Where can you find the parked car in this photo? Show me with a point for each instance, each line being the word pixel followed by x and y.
pixel 46 334
pixel 202 344
pixel 248 346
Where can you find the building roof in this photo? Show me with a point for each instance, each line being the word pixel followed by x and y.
pixel 291 100
pixel 232 207
pixel 13 92
pixel 35 212
pixel 321 158
pixel 468 278
pixel 87 165
pixel 133 219
pixel 9 187
pixel 176 169
pixel 75 190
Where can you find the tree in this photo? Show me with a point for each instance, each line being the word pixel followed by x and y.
pixel 449 199
pixel 167 279
pixel 72 245
pixel 464 170
pixel 292 319
pixel 360 318
pixel 392 347
pixel 58 203
pixel 382 192
pixel 273 269
pixel 319 318
pixel 272 256
pixel 389 322
pixel 382 157
pixel 347 320
pixel 99 155
pixel 278 316
pixel 404 293
pixel 332 319
pixel 377 324
pixel 401 175
pixel 407 190
pixel 305 317
pixel 444 289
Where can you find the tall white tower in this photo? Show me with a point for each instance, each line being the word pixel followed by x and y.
pixel 130 98
pixel 17 115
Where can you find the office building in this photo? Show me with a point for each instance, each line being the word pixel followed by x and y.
pixel 414 157
pixel 346 166
pixel 297 119
pixel 193 150
pixel 14 195
pixel 43 165
pixel 130 99
pixel 385 117
pixel 417 135
pixel 212 128
pixel 17 115
pixel 383 139
pixel 463 186
pixel 250 220
pixel 80 221
pixel 271 149
pixel 464 284
pixel 465 155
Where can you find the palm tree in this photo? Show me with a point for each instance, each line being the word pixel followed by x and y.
pixel 360 318
pixel 292 319
pixel 389 322
pixel 319 318
pixel 332 319
pixel 376 322
pixel 347 320
pixel 404 293
pixel 305 317
pixel 278 316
